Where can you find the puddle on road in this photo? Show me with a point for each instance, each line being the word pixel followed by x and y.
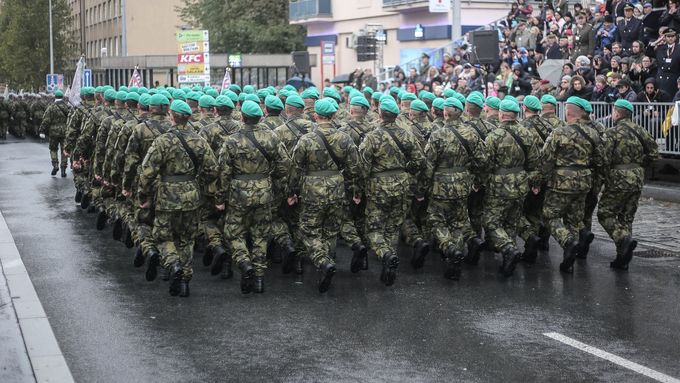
pixel 25 173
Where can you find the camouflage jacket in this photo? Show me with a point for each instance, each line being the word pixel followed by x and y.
pixel 203 120
pixel 85 144
pixel 453 170
pixel 5 111
pixel 421 129
pixel 479 126
pixel 569 157
pixel 38 108
pixel 290 132
pixel 218 131
pixel 628 155
pixel 491 122
pixel 117 166
pixel 599 173
pixel 141 138
pixel 236 115
pixel 110 144
pixel 342 114
pixel 539 126
pixel 388 169
pixel 552 120
pixel 54 120
pixel 357 129
pixel 272 122
pixel 438 123
pixel 315 176
pixel 75 125
pixel 510 170
pixel 168 160
pixel 246 176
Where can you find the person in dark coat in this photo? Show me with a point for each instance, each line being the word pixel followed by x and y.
pixel 628 30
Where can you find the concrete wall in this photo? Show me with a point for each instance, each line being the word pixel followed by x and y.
pixel 151 26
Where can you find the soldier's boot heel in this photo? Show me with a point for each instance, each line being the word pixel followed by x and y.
pixel 420 250
pixel 510 258
pixel 85 201
pixel 258 284
pixel 299 265
pixel 359 257
pixel 570 251
pixel 101 219
pixel 208 256
pixel 622 260
pixel 184 289
pixel 247 275
pixel 453 259
pixel 531 249
pixel 139 258
pixel 152 266
pixel 389 271
pixel 79 196
pixel 586 237
pixel 117 232
pixel 127 237
pixel 55 170
pixel 289 256
pixel 219 257
pixel 327 270
pixel 63 172
pixel 475 246
pixel 175 278
pixel 227 272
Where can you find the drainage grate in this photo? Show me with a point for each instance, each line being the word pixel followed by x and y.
pixel 653 253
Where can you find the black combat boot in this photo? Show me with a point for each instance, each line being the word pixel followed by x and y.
pixel 475 246
pixel 184 289
pixel 165 276
pixel 208 256
pixel 364 262
pixel 624 257
pixel 510 258
pixel 101 219
pixel 219 256
pixel 299 265
pixel 117 229
pixel 389 269
pixel 585 238
pixel 152 266
pixel 289 256
pixel 359 257
pixel 454 260
pixel 273 252
pixel 175 278
pixel 63 172
pixel 139 258
pixel 544 234
pixel 247 275
pixel 420 250
pixel 570 251
pixel 327 270
pixel 55 170
pixel 85 201
pixel 127 238
pixel 258 284
pixel 227 272
pixel 531 249
pixel 79 196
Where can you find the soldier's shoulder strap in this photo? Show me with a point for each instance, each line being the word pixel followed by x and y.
pixel 155 125
pixel 583 134
pixel 639 137
pixel 331 153
pixel 224 128
pixel 518 140
pixel 296 129
pixel 271 125
pixel 429 117
pixel 357 129
pixel 420 129
pixel 462 140
pixel 474 126
pixel 399 144
pixel 188 150
pixel 64 112
pixel 204 123
pixel 251 137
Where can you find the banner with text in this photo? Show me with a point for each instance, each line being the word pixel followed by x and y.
pixel 193 57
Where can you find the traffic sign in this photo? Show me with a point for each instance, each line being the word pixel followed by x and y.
pixel 52 82
pixel 87 77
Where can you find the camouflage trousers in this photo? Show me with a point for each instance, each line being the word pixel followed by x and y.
pixel 18 128
pixel 319 229
pixel 348 228
pixel 532 219
pixel 591 204
pixel 56 146
pixel 384 219
pixel 211 225
pixel 616 213
pixel 254 221
pixel 501 220
pixel 415 225
pixel 450 223
pixel 564 214
pixel 4 126
pixel 142 228
pixel 476 211
pixel 174 233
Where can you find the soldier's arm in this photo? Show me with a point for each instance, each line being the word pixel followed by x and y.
pixel 224 174
pixel 651 149
pixel 353 170
pixel 98 156
pixel 480 164
pixel 548 155
pixel 282 164
pixel 432 153
pixel 209 168
pixel 47 120
pixel 420 164
pixel 533 160
pixel 298 167
pixel 149 171
pixel 132 158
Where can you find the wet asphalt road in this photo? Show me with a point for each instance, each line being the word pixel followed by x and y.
pixel 113 326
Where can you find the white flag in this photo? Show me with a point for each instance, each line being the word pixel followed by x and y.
pixel 73 94
pixel 227 79
pixel 136 79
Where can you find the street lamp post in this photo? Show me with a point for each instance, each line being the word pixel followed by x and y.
pixel 51 48
pixel 455 22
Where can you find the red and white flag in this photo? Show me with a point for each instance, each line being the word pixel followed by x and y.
pixel 227 79
pixel 136 79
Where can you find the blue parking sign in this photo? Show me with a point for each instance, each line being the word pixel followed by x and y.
pixel 52 82
pixel 87 77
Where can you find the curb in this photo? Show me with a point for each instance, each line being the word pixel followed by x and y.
pixel 661 193
pixel 47 360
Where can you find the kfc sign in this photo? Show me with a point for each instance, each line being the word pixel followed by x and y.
pixel 190 59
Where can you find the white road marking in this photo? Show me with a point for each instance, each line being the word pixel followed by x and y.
pixel 658 376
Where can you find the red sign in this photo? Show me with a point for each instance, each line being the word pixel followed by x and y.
pixel 190 59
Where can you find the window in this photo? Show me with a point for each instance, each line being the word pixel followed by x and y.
pixel 115 44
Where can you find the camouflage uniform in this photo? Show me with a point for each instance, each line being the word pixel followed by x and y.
pixel 245 187
pixel 20 117
pixel 320 183
pixel 37 111
pixel 627 156
pixel 598 180
pixel 273 121
pixel 177 195
pixel 4 118
pixel 476 198
pixel 54 125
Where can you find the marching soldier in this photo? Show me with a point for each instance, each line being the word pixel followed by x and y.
pixel 54 125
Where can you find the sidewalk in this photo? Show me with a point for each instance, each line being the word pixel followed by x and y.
pixel 30 352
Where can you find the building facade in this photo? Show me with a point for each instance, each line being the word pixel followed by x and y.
pixel 409 29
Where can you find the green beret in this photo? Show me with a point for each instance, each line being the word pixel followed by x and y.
pixel 367 89
pixel 449 93
pixel 110 95
pixel 387 97
pixel 251 108
pixel 295 101
pixel 389 105
pixel 107 87
pixel 407 96
pixel 233 96
pixel 394 90
pixel 171 89
pixel 206 102
pixel 178 94
pixel 206 88
pixel 509 106
pixel 272 90
pixel 235 88
pixel 89 90
pixel 58 93
pixel 478 93
pixel 581 103
pixel 132 96
pixel 159 99
pixel 493 102
pixel 133 89
pixel 376 96
pixel 212 92
pixel 99 89
pixel 419 106
pixel 179 106
pixel 548 99
pixel 332 101
pixel 427 96
pixel 142 90
pixel 123 89
pixel 511 98
pixel 475 99
pixel 249 89
pixel 331 92
pixel 453 102
pixel 283 93
pixel 262 94
pixel 273 102
pixel 360 101
pixel 310 94
pixel 533 103
pixel 241 97
pixel 224 101
pixel 144 99
pixel 624 104
pixel 353 93
pixel 325 107
pixel 251 97
pixel 82 91
pixel 186 89
pixel 196 89
pixel 194 96
pixel 121 95
pixel 152 91
pixel 347 89
pixel 289 88
pixel 165 93
pixel 438 103
pixel 460 98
